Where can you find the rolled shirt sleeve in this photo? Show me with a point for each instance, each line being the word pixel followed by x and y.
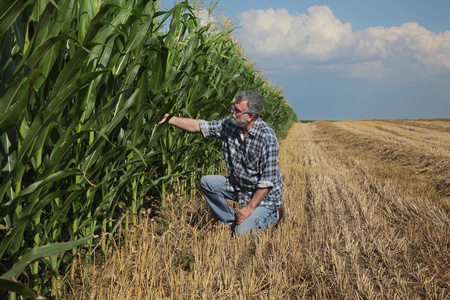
pixel 269 166
pixel 210 128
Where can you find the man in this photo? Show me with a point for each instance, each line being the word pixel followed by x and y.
pixel 250 149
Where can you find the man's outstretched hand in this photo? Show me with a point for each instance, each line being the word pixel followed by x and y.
pixel 187 124
pixel 164 119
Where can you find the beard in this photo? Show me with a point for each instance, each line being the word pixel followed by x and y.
pixel 238 122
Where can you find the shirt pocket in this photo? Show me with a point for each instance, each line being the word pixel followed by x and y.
pixel 251 161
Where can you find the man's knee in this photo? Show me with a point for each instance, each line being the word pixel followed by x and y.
pixel 211 182
pixel 205 182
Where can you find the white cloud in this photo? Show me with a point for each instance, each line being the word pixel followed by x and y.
pixel 272 32
pixel 320 39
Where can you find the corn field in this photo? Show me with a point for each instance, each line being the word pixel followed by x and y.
pixel 82 86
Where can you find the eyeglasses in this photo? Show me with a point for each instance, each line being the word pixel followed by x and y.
pixel 236 111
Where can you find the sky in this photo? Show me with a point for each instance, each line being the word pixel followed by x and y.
pixel 350 59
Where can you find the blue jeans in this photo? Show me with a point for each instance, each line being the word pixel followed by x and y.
pixel 214 190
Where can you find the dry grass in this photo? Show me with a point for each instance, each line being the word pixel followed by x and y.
pixel 367 218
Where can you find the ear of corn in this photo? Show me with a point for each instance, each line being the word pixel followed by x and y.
pixel 83 84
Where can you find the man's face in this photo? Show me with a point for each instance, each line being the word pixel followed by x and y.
pixel 239 117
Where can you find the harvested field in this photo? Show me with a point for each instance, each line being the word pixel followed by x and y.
pixel 368 205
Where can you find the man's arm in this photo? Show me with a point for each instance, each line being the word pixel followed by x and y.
pixel 247 210
pixel 187 124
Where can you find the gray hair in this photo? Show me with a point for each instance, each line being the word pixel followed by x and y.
pixel 254 102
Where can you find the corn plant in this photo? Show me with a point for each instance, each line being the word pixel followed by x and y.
pixel 82 87
pixel 277 111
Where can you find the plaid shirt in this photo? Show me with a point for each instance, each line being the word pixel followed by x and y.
pixel 252 162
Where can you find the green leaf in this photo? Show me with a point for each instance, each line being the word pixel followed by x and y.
pixel 41 252
pixel 68 73
pixel 9 11
pixel 56 176
pixel 37 54
pixel 133 42
pixel 60 151
pixel 18 288
pixel 10 114
pixel 14 239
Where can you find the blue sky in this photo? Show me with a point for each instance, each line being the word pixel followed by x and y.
pixel 351 59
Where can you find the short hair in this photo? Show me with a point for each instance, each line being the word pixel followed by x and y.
pixel 254 102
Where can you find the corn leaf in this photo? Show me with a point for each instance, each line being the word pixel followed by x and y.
pixel 9 11
pixel 18 288
pixel 41 252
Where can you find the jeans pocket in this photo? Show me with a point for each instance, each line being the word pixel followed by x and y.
pixel 260 224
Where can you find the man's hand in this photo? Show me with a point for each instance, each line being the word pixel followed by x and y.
pixel 247 210
pixel 164 119
pixel 243 213
pixel 187 124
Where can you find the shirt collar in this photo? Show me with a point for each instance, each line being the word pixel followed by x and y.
pixel 255 126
